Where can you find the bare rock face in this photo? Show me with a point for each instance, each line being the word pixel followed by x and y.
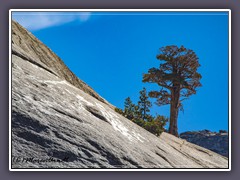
pixel 217 142
pixel 28 47
pixel 60 122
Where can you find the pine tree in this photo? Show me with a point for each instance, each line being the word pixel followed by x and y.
pixel 178 78
pixel 135 113
pixel 144 104
pixel 129 108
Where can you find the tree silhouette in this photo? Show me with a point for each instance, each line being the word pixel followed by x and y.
pixel 129 108
pixel 144 104
pixel 178 78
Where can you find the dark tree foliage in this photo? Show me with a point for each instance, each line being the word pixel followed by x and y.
pixel 144 104
pixel 139 122
pixel 156 125
pixel 136 113
pixel 139 114
pixel 129 108
pixel 178 78
pixel 118 110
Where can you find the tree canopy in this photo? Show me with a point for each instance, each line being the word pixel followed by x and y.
pixel 177 77
pixel 140 114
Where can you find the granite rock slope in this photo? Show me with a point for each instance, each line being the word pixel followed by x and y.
pixel 56 123
pixel 27 46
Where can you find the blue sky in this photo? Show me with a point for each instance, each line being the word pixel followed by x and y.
pixel 111 50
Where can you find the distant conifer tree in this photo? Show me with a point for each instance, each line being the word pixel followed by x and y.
pixel 144 104
pixel 129 108
pixel 136 113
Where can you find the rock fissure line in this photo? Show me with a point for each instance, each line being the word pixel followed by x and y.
pixel 67 114
pixel 32 61
pixel 190 157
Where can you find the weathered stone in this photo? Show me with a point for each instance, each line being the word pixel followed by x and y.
pixel 62 123
pixel 217 142
pixel 37 53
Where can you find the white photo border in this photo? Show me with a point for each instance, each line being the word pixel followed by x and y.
pixel 120 10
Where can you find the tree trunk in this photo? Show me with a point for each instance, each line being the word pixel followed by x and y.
pixel 173 128
pixel 144 113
